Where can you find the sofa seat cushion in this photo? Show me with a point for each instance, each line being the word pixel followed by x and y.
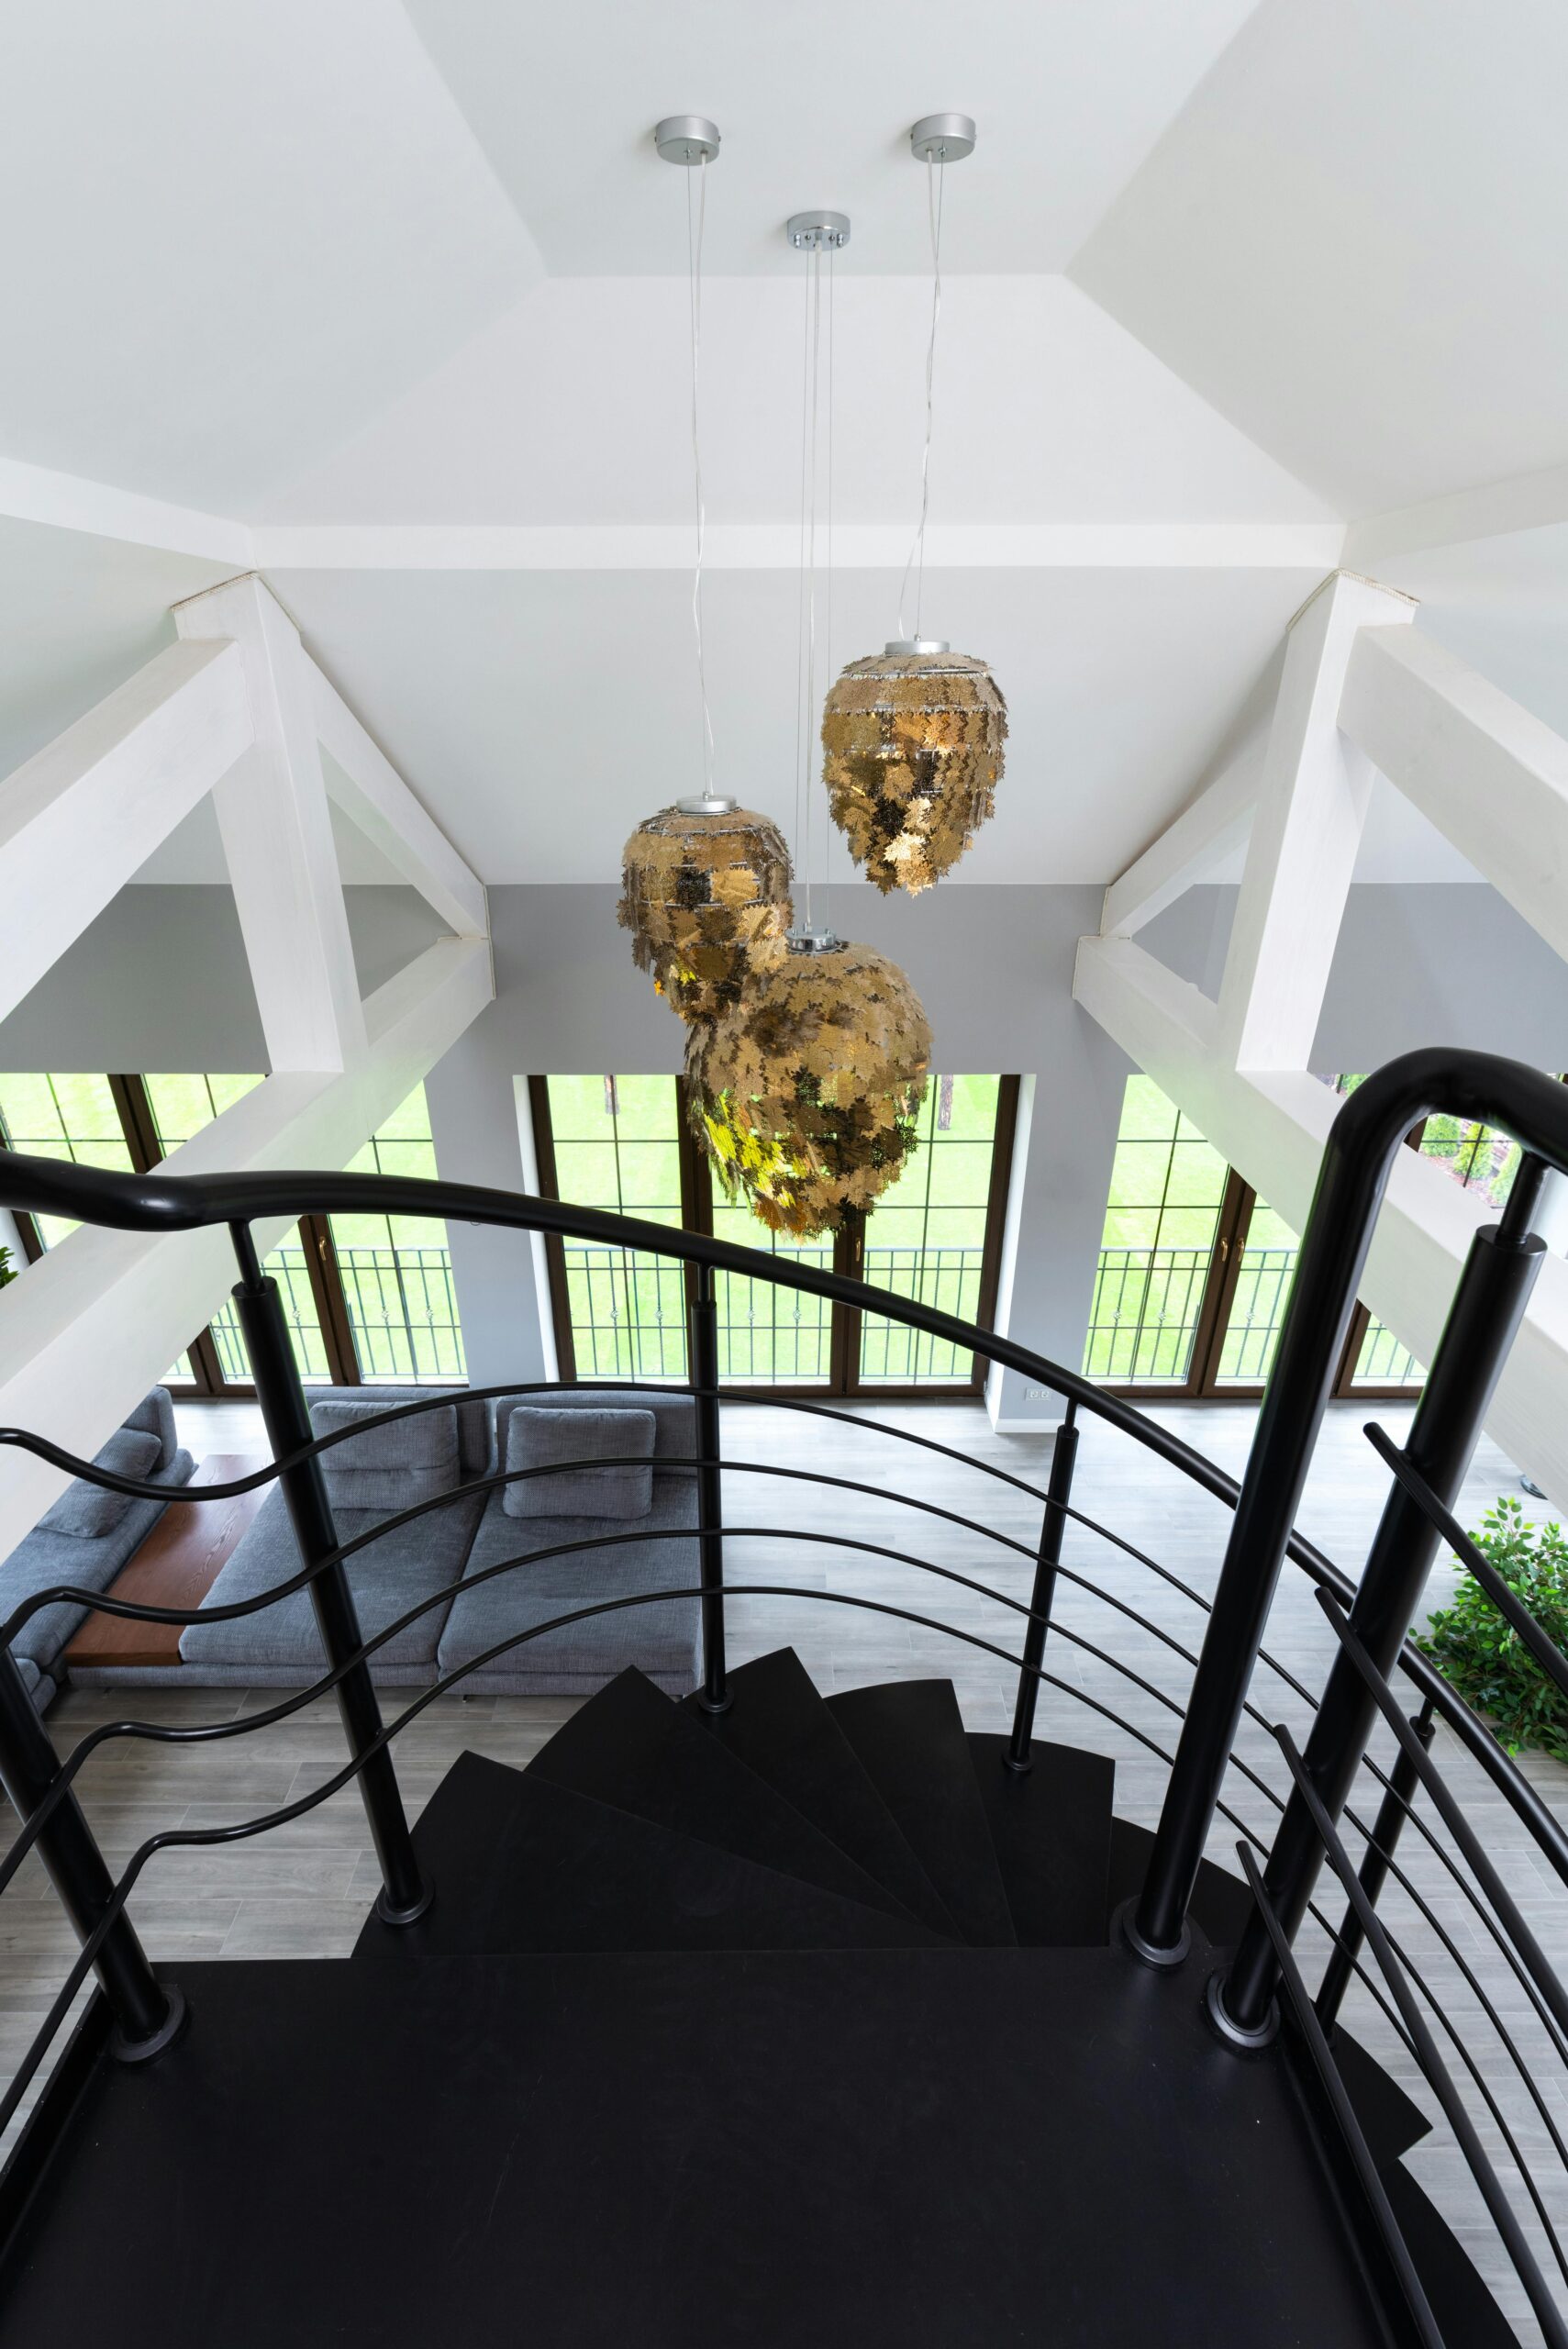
pixel 387 1577
pixel 43 1560
pixel 659 1638
pixel 542 1439
pixel 86 1512
pixel 388 1465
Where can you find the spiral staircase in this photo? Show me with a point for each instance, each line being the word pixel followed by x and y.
pixel 788 2018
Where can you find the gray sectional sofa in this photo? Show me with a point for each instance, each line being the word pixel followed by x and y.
pixel 87 1535
pixel 370 1477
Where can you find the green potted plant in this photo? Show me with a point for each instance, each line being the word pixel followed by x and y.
pixel 1475 1649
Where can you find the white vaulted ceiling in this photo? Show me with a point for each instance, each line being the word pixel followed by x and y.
pixel 394 296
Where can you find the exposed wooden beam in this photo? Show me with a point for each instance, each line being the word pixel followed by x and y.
pixel 1312 799
pixel 1210 828
pixel 1271 1126
pixel 1493 778
pixel 277 839
pixel 85 1331
pixel 81 818
pixel 67 502
pixel 1498 509
pixel 369 789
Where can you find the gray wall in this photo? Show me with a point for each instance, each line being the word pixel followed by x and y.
pixel 160 982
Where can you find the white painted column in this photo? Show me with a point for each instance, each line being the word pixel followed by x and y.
pixel 1312 802
pixel 501 1304
pixel 277 837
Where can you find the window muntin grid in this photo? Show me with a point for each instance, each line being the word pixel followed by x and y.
pixel 616 1144
pixel 396 1271
pixel 1161 1218
pixel 182 1104
pixel 926 1236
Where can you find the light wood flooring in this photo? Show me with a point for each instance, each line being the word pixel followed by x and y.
pixel 304 1890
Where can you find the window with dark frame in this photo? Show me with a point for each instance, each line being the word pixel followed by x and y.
pixel 1181 1316
pixel 364 1304
pixel 623 1142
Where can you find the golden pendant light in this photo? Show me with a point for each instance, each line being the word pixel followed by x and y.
pixel 706 895
pixel 913 736
pixel 705 884
pixel 914 742
pixel 807 1093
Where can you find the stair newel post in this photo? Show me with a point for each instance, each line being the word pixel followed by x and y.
pixel 148 2014
pixel 1489 1305
pixel 1373 1874
pixel 703 1318
pixel 403 1896
pixel 1058 1493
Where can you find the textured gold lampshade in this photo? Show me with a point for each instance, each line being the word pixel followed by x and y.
pixel 807 1093
pixel 913 740
pixel 706 895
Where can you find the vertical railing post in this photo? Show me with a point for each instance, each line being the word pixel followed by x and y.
pixel 148 2013
pixel 703 1319
pixel 1386 1828
pixel 1058 1492
pixel 404 1896
pixel 1489 1306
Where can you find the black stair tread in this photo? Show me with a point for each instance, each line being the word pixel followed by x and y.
pixel 1389 2122
pixel 632 1746
pixel 1221 1903
pixel 1464 2308
pixel 1050 1828
pixel 909 1735
pixel 521 1865
pixel 780 1727
pixel 1221 1906
pixel 857 2150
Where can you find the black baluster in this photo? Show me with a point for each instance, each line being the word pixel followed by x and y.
pixel 1058 1492
pixel 703 1323
pixel 404 1896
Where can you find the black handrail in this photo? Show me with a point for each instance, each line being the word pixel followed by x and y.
pixel 1360 1154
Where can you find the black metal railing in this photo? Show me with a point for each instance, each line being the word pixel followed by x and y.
pixel 1354 1751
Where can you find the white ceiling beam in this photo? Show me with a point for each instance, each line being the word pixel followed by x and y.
pixel 1272 1125
pixel 67 502
pixel 776 546
pixel 78 820
pixel 367 787
pixel 1499 509
pixel 277 839
pixel 1206 832
pixel 1490 776
pixel 1301 853
pixel 87 1331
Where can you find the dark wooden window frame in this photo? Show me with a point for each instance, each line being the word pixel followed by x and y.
pixel 843 1381
pixel 1202 1383
pixel 139 1127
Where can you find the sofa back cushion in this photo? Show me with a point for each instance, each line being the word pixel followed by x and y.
pixel 391 1465
pixel 154 1415
pixel 86 1512
pixel 540 1438
pixel 675 1418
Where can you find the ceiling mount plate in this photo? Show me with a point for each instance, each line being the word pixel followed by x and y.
pixel 687 138
pixel 942 137
pixel 816 232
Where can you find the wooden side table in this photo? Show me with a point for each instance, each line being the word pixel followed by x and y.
pixel 176 1566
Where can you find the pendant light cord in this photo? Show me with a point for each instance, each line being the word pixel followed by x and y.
pixel 936 181
pixel 696 221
